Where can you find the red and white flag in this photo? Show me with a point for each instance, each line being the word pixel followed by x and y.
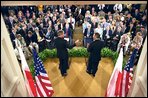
pixel 114 85
pixel 27 75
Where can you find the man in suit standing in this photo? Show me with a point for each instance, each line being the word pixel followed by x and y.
pixel 95 54
pixel 62 52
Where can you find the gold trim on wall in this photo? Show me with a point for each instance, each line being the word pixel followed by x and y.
pixel 22 3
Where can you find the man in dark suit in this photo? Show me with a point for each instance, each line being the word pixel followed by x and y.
pixel 12 37
pixel 32 41
pixel 68 31
pixel 95 54
pixel 136 14
pixel 107 34
pixel 128 19
pixel 62 52
pixel 115 38
pixel 132 29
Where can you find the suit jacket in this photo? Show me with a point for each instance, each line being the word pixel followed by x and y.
pixel 143 22
pixel 50 35
pixel 104 33
pixel 41 33
pixel 12 37
pixel 128 29
pixel 55 33
pixel 33 38
pixel 128 20
pixel 8 23
pixel 61 46
pixel 83 11
pixel 59 27
pixel 117 35
pixel 137 16
pixel 70 25
pixel 95 50
pixel 22 32
pixel 86 31
pixel 69 32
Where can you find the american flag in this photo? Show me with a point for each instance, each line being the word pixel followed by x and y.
pixel 114 85
pixel 29 82
pixel 43 84
pixel 128 74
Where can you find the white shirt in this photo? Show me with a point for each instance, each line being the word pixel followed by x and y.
pixel 80 11
pixel 73 22
pixel 107 34
pixel 100 31
pixel 84 25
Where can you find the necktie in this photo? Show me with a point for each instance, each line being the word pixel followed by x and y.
pixel 70 20
pixel 66 32
pixel 39 38
pixel 49 35
pixel 103 26
pixel 61 26
pixel 88 33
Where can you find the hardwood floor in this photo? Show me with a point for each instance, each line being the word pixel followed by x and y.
pixel 78 83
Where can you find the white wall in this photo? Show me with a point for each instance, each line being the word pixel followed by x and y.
pixel 139 84
pixel 12 81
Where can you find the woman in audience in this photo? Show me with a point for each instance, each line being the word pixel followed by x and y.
pixel 110 19
pixel 113 26
pixel 40 39
pixel 123 27
pixel 124 43
pixel 88 16
pixel 137 41
pixel 21 42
